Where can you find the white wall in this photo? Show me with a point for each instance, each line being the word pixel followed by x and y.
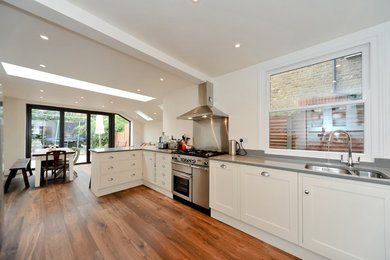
pixel 152 131
pixel 242 94
pixel 15 128
pixel 177 103
pixel 236 94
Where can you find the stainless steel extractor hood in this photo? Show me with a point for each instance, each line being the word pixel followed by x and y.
pixel 205 108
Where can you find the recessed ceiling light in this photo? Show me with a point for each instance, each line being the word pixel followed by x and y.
pixel 102 105
pixel 27 73
pixel 42 65
pixel 204 116
pixel 161 79
pixel 82 97
pixel 44 37
pixel 138 90
pixel 40 97
pixel 143 115
pixel 112 102
pixel 41 90
pixel 237 45
pixel 334 81
pixel 338 65
pixel 190 118
pixel 76 102
pixel 195 1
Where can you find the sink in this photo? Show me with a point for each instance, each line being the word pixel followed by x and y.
pixel 321 168
pixel 350 171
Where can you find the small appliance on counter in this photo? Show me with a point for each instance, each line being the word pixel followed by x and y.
pixel 163 141
pixel 234 147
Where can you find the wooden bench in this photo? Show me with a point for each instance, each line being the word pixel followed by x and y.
pixel 20 164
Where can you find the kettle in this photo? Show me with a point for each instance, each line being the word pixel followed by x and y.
pixel 234 146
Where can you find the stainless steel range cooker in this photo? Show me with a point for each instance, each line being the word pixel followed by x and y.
pixel 190 176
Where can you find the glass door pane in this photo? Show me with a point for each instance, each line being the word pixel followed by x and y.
pixel 99 131
pixel 75 133
pixel 122 132
pixel 45 129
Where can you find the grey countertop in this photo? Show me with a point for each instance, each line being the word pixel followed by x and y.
pixel 110 150
pixel 297 165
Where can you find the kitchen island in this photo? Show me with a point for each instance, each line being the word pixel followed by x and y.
pixel 116 169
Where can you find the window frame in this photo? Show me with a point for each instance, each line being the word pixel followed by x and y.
pixel 62 110
pixel 366 100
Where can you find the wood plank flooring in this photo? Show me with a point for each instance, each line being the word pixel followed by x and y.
pixel 66 221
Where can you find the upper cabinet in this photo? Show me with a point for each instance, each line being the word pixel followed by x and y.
pixel 345 219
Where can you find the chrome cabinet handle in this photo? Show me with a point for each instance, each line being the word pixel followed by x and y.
pixel 133 154
pixel 133 163
pixel 111 167
pixel 110 179
pixel 111 157
pixel 265 174
pixel 307 192
pixel 133 174
pixel 223 166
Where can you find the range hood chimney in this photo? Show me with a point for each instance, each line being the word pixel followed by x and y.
pixel 206 107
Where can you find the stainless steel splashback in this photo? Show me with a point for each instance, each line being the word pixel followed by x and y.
pixel 211 134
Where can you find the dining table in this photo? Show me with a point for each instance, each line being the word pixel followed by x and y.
pixel 39 155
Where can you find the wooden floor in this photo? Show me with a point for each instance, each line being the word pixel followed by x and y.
pixel 66 221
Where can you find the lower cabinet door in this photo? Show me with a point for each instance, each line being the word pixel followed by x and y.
pixel 225 188
pixel 114 179
pixel 269 200
pixel 345 219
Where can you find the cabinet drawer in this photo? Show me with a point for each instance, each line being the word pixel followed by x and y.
pixel 135 174
pixel 134 164
pixel 117 156
pixel 114 179
pixel 164 183
pixel 163 158
pixel 114 167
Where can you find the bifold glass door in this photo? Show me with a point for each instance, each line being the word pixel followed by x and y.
pixel 78 129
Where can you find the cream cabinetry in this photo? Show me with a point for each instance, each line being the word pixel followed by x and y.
pixel 149 166
pixel 115 171
pixel 163 171
pixel 225 188
pixel 344 219
pixel 269 200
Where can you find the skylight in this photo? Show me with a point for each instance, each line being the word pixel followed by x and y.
pixel 27 73
pixel 143 115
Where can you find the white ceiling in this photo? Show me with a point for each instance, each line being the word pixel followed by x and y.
pixel 183 42
pixel 72 55
pixel 203 35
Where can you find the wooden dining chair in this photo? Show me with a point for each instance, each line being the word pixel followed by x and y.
pixel 55 163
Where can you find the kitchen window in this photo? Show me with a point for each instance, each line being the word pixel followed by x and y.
pixel 308 101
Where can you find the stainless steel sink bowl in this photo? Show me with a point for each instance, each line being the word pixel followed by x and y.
pixel 321 168
pixel 350 171
pixel 371 174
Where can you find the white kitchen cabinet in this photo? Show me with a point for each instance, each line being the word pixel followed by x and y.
pixel 225 188
pixel 163 170
pixel 344 219
pixel 115 171
pixel 269 200
pixel 149 166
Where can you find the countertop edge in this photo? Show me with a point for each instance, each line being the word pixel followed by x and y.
pixel 300 169
pixel 114 150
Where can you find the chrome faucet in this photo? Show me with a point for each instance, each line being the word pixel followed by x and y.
pixel 349 162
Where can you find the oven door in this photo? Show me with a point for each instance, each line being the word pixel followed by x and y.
pixel 182 185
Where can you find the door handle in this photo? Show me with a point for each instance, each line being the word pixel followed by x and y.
pixel 265 174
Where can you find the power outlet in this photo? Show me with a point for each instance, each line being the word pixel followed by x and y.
pixel 243 139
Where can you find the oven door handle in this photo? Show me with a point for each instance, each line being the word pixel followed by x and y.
pixel 200 167
pixel 183 164
pixel 183 175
